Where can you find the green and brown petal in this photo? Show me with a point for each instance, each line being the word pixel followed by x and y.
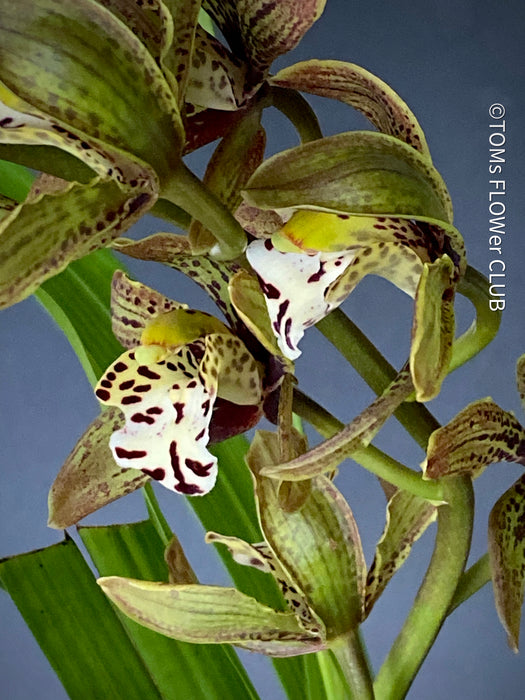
pixel 318 545
pixel 258 31
pixel 357 172
pixel 210 615
pixel 407 518
pixel 481 434
pixel 360 89
pixel 74 62
pixel 40 237
pixel 507 558
pixel 90 477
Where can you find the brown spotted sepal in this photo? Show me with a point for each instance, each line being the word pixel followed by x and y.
pixel 507 558
pixel 90 478
pixel 481 434
pixel 317 545
pixel 167 389
pixel 257 32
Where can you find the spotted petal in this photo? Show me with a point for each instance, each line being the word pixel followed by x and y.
pixel 173 250
pixel 481 434
pixel 259 31
pixel 39 238
pixel 360 89
pixel 167 405
pixel 407 518
pixel 294 285
pixel 133 304
pixel 507 558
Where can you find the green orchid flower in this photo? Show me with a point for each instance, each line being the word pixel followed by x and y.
pixel 92 92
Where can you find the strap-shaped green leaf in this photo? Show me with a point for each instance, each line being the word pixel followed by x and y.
pixel 181 670
pixel 74 624
pixel 507 558
pixel 360 89
pixel 358 172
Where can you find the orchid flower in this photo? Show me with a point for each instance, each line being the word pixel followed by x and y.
pixel 337 233
pixel 100 86
pixel 186 365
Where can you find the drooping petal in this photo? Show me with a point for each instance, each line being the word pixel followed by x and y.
pixel 173 250
pixel 360 89
pixel 294 285
pixel 407 518
pixel 432 328
pixel 318 545
pixel 210 615
pixel 481 434
pixel 90 478
pixel 357 172
pixel 133 304
pixel 259 31
pixel 230 366
pixel 507 558
pixel 39 238
pixel 250 304
pixel 167 405
pixel 325 457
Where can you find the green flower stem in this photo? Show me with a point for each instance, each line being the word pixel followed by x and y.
pixel 185 190
pixel 366 359
pixel 435 594
pixel 371 458
pixel 172 213
pixel 475 287
pixel 350 653
pixel 293 105
pixel 474 578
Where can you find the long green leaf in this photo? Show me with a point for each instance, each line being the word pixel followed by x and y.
pixel 181 670
pixel 75 625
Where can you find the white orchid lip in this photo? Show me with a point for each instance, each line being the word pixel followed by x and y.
pixel 295 286
pixel 167 406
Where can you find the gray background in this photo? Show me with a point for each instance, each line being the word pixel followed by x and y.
pixel 450 61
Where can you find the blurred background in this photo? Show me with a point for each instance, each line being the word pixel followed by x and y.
pixel 450 61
